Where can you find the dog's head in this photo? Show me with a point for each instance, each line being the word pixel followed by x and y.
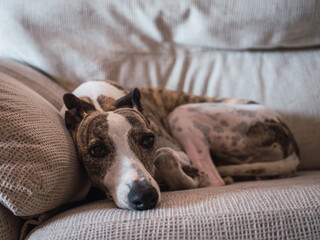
pixel 116 148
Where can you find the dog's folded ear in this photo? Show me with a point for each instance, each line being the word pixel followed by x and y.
pixel 77 109
pixel 131 100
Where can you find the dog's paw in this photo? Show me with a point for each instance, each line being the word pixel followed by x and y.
pixel 199 177
pixel 173 171
pixel 167 160
pixel 228 180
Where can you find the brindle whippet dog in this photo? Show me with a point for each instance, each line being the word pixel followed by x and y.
pixel 125 142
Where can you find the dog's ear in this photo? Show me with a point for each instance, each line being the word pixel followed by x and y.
pixel 131 100
pixel 77 109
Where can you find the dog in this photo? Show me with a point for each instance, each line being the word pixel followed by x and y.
pixel 124 140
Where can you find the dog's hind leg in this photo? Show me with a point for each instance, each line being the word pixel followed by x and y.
pixel 262 169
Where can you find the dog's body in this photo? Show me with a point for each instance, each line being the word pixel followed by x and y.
pixel 125 142
pixel 243 140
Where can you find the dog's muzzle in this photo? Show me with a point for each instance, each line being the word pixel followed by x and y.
pixel 142 196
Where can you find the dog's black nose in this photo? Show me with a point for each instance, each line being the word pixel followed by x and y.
pixel 142 195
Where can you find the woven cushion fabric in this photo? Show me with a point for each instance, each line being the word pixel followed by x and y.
pixel 35 80
pixel 274 209
pixel 39 169
pixel 10 225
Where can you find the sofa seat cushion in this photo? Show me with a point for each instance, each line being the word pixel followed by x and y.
pixel 273 209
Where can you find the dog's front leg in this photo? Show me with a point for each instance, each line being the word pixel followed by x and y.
pixel 174 170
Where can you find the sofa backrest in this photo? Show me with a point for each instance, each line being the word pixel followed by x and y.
pixel 267 51
pixel 77 40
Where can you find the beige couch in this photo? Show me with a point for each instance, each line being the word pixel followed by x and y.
pixel 267 51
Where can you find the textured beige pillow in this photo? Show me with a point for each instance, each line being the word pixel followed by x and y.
pixel 10 225
pixel 39 169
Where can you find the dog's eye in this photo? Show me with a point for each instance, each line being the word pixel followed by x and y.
pixel 147 141
pixel 99 150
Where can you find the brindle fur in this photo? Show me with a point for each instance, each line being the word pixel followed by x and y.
pixel 159 103
pixel 156 105
pixel 243 140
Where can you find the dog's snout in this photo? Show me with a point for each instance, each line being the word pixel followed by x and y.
pixel 142 195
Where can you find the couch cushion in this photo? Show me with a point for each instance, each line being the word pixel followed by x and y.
pixel 39 169
pixel 274 209
pixel 10 225
pixel 37 81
